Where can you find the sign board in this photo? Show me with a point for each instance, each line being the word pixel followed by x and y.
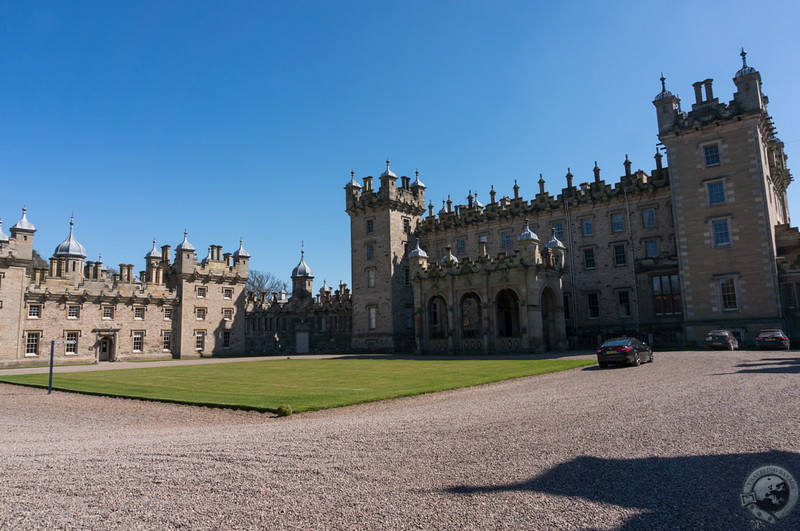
pixel 65 342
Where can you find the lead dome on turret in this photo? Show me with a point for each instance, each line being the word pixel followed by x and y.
pixel 70 247
pixel 388 172
pixel 302 269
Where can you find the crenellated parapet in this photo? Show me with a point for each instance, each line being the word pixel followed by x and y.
pixel 636 185
pixel 407 197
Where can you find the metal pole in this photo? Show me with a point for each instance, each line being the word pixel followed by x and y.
pixel 52 354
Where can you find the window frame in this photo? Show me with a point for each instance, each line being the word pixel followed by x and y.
pixel 33 338
pixel 712 155
pixel 77 312
pixel 649 219
pixel 593 305
pixel 648 245
pixel 137 341
pixel 715 241
pixel 715 192
pixel 586 254
pixel 107 313
pixel 35 311
pixel 199 340
pixel 729 300
pixel 587 227
pixel 71 349
pixel 612 223
pixel 620 254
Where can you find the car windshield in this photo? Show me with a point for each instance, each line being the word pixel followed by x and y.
pixel 770 334
pixel 616 342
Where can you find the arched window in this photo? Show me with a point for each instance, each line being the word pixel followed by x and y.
pixel 470 316
pixel 437 318
pixel 507 314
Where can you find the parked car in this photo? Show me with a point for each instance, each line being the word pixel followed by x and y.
pixel 772 338
pixel 721 339
pixel 623 350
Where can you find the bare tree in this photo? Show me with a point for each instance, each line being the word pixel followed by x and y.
pixel 263 282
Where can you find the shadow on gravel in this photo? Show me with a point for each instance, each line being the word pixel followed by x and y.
pixel 696 492
pixel 772 366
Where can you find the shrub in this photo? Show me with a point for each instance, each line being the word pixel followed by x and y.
pixel 284 410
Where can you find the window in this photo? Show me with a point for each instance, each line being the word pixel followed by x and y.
pixel 167 314
pixel 727 292
pixel 201 292
pixel 406 225
pixel 138 313
pixel 71 348
pixel 649 217
pixel 370 252
pixel 107 312
pixel 623 304
pixel 651 248
pixel 32 343
pixel 200 313
pixel 617 224
pixel 588 259
pixel 620 258
pixel 370 226
pixel 720 232
pixel 227 293
pixel 716 193
pixel 559 230
pixel 34 311
pixel 138 341
pixel 227 313
pixel 593 302
pixel 166 340
pixel 371 277
pixel 483 238
pixel 461 246
pixel 711 154
pixel 666 295
pixel 73 312
pixel 199 339
pixel 406 276
pixel 587 227
pixel 372 316
pixel 226 339
pixel 505 238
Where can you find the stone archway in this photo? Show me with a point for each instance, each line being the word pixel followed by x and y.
pixel 471 325
pixel 507 314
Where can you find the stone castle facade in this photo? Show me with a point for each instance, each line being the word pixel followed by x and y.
pixel 699 243
pixel 668 255
pixel 173 308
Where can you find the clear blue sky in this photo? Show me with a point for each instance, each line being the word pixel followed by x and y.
pixel 243 119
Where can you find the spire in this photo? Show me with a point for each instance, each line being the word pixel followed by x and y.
pixel 240 252
pixel 70 247
pixel 664 92
pixel 353 181
pixel 154 252
pixel 745 70
pixel 24 224
pixel 417 182
pixel 185 245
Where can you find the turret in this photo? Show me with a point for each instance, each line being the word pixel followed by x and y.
pixel 302 279
pixel 22 233
pixel 241 258
pixel 667 107
pixel 748 94
pixel 69 256
pixel 154 273
pixel 185 257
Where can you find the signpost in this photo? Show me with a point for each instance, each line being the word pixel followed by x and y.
pixel 52 356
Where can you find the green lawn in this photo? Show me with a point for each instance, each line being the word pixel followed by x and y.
pixel 305 385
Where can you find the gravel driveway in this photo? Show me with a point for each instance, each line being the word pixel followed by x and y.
pixel 667 445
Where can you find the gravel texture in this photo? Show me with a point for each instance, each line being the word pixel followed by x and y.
pixel 667 445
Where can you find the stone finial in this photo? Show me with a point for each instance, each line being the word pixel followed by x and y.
pixel 596 171
pixel 541 184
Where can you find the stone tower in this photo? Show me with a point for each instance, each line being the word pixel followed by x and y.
pixel 728 180
pixel 381 226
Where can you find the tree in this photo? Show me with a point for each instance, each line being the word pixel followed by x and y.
pixel 263 282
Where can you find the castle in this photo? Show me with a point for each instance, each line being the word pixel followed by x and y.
pixel 700 243
pixel 668 255
pixel 174 308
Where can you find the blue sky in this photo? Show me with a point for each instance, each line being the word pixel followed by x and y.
pixel 244 119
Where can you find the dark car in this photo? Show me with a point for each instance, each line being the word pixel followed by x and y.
pixel 721 339
pixel 623 350
pixel 772 338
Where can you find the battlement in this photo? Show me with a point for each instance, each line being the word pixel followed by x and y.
pixel 597 192
pixel 409 197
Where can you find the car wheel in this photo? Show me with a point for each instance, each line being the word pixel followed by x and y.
pixel 637 360
pixel 730 346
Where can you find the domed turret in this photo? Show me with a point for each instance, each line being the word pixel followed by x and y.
pixel 240 252
pixel 528 234
pixel 23 224
pixel 185 245
pixel 154 252
pixel 70 248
